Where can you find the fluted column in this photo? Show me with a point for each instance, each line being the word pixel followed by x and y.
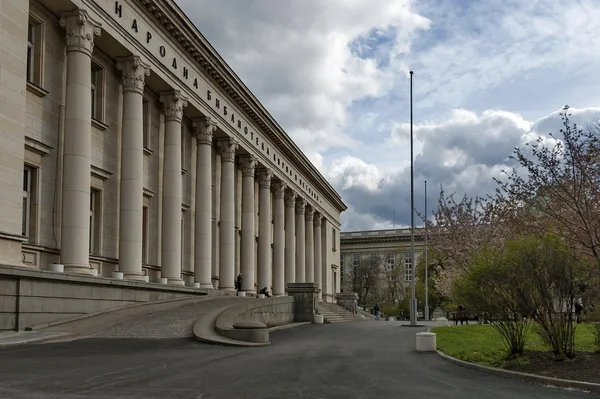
pixel 318 255
pixel 248 163
pixel 75 226
pixel 134 73
pixel 300 241
pixel 227 230
pixel 290 237
pixel 174 103
pixel 310 246
pixel 205 127
pixel 264 229
pixel 279 239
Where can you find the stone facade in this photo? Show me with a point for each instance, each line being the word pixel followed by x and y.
pixel 392 247
pixel 125 145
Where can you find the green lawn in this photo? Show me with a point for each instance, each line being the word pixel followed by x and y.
pixel 482 344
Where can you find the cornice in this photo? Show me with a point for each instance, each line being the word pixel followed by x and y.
pixel 375 239
pixel 167 14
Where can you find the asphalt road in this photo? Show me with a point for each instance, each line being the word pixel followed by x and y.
pixel 351 360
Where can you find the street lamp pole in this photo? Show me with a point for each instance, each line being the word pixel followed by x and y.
pixel 426 261
pixel 413 299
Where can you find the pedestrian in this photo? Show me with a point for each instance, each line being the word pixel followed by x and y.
pixel 238 283
pixel 376 311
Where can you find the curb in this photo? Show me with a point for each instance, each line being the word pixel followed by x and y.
pixel 538 379
pixel 34 340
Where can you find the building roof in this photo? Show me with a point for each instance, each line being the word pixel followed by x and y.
pixel 172 18
pixel 380 235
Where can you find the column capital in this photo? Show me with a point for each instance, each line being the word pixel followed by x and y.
pixel 309 213
pixel 134 72
pixel 264 178
pixel 317 219
pixel 248 163
pixel 81 30
pixel 174 103
pixel 227 149
pixel 205 128
pixel 279 189
pixel 290 198
pixel 300 206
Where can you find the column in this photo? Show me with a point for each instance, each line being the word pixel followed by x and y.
pixel 318 254
pixel 134 73
pixel 227 227
pixel 75 224
pixel 290 238
pixel 264 229
pixel 300 241
pixel 279 239
pixel 310 249
pixel 205 128
pixel 248 163
pixel 174 103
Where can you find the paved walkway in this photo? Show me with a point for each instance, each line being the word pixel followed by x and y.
pixel 346 360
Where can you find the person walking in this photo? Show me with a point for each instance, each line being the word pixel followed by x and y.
pixel 376 311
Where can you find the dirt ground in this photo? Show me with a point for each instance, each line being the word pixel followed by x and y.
pixel 584 367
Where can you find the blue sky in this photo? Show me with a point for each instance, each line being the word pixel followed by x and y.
pixel 335 76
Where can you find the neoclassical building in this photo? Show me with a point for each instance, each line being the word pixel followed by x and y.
pixel 130 149
pixel 392 247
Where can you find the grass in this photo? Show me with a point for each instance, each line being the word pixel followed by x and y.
pixel 482 344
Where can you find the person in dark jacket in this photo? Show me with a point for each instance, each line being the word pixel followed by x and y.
pixel 238 282
pixel 376 311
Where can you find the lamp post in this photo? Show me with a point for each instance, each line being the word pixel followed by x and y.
pixel 426 262
pixel 413 299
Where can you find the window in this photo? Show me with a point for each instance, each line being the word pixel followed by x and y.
pixel 182 239
pixel 341 270
pixel 145 215
pixel 390 260
pixel 355 259
pixel 146 122
pixel 95 220
pixel 333 240
pixel 34 51
pixel 97 92
pixel 27 196
pixel 372 255
pixel 408 266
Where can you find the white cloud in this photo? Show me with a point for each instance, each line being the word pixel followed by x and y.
pixel 335 75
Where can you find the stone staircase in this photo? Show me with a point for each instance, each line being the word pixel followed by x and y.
pixel 333 313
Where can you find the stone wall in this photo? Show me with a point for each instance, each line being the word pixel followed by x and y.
pixel 31 297
pixel 348 301
pixel 306 300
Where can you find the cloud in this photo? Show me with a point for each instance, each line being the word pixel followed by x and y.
pixel 463 154
pixel 309 60
pixel 335 76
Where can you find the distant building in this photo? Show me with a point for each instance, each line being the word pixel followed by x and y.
pixel 392 246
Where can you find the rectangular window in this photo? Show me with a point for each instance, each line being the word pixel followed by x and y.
pixel 146 122
pixel 355 259
pixel 390 260
pixel 408 266
pixel 97 91
pixel 27 195
pixel 95 220
pixel 372 255
pixel 145 215
pixel 30 51
pixel 34 51
pixel 333 240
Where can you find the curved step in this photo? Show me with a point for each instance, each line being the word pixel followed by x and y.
pixel 204 328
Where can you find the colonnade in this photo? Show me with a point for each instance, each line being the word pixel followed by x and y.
pixel 293 254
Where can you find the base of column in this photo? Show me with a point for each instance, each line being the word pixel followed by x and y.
pixel 78 269
pixel 250 292
pixel 132 276
pixel 229 289
pixel 175 281
pixel 11 250
pixel 206 286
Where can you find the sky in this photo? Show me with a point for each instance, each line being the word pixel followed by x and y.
pixel 489 75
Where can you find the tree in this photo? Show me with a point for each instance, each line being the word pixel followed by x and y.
pixel 560 185
pixel 458 231
pixel 494 285
pixel 364 277
pixel 394 276
pixel 436 298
